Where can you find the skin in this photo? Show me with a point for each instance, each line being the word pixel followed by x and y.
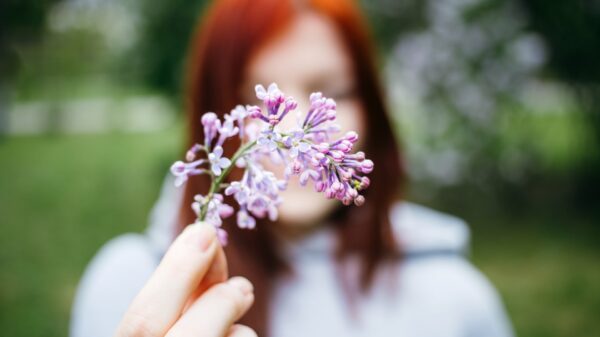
pixel 190 293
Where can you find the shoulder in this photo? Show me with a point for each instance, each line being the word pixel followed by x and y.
pixel 460 291
pixel 452 292
pixel 421 229
pixel 450 279
pixel 110 282
pixel 124 250
pixel 436 273
pixel 132 253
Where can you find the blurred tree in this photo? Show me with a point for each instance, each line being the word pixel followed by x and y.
pixel 167 27
pixel 390 19
pixel 485 106
pixel 21 22
pixel 571 29
pixel 454 80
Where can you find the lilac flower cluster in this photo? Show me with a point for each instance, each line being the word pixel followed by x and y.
pixel 305 150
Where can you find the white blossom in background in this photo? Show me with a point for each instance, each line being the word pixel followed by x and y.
pixel 451 80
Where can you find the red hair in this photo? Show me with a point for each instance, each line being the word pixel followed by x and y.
pixel 228 36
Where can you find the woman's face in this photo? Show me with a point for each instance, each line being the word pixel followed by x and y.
pixel 309 56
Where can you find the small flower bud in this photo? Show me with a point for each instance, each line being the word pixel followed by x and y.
pixel 254 111
pixel 323 147
pixel 273 119
pixel 359 200
pixel 296 167
pixel 337 155
pixel 178 168
pixel 190 155
pixel 330 104
pixel 344 146
pixel 209 119
pixel 320 186
pixel 352 193
pixel 290 103
pixel 222 236
pixel 337 186
pixel 225 211
pixel 366 166
pixel 315 96
pixel 365 182
pixel 331 115
pixel 351 136
pixel 346 175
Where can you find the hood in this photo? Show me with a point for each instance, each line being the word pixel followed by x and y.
pixel 162 220
pixel 422 230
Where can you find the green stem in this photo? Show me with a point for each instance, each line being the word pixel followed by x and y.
pixel 216 183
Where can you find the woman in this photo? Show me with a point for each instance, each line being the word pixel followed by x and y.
pixel 386 268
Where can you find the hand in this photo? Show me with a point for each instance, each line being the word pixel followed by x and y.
pixel 189 293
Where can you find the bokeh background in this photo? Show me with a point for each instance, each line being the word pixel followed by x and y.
pixel 497 104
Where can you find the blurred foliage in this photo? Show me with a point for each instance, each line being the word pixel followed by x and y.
pixel 17 30
pixel 389 19
pixel 571 29
pixel 542 264
pixel 476 75
pixel 572 32
pixel 82 48
pixel 160 54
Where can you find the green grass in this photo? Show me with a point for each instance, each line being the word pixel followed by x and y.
pixel 62 197
pixel 546 268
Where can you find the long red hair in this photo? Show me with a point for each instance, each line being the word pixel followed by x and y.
pixel 229 35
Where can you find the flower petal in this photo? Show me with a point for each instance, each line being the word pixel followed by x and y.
pixel 261 93
pixel 224 162
pixel 273 87
pixel 218 152
pixel 303 147
pixel 216 169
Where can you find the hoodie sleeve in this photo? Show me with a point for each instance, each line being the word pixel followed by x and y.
pixel 445 286
pixel 109 284
pixel 484 312
pixel 447 296
pixel 121 268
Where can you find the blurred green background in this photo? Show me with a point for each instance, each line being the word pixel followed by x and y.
pixel 497 104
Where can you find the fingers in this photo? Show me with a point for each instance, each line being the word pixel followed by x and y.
pixel 239 330
pixel 161 301
pixel 213 313
pixel 217 273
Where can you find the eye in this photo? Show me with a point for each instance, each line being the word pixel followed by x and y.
pixel 341 93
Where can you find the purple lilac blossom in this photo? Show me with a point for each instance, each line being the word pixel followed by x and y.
pixel 306 151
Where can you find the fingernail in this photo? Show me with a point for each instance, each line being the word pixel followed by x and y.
pixel 202 236
pixel 242 284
